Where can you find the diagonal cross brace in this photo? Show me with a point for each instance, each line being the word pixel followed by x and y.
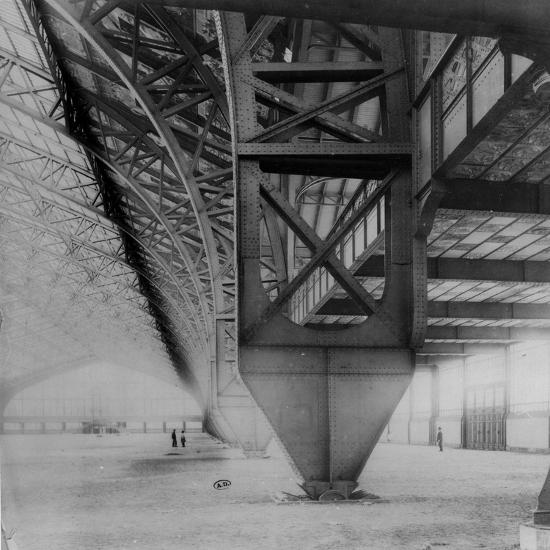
pixel 339 103
pixel 333 123
pixel 346 30
pixel 254 39
pixel 174 28
pixel 307 235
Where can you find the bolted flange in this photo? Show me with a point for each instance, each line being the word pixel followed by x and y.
pixel 329 490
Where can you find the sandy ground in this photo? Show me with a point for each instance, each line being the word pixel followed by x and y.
pixel 69 492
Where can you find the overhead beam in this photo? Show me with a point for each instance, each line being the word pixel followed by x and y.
pixel 317 71
pixel 504 334
pixel 476 17
pixel 497 196
pixel 348 160
pixel 488 310
pixel 489 270
pixel 470 270
pixel 302 149
pixel 452 310
pixel 459 350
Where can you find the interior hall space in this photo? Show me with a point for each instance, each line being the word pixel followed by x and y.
pixel 275 273
pixel 133 491
pixel 499 401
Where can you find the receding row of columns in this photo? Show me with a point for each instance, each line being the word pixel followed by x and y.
pixel 499 401
pixel 62 427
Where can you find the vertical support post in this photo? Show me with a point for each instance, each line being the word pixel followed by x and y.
pixel 437 124
pixel 233 414
pixel 164 427
pixel 434 416
pixel 145 427
pixel 411 412
pixel 469 92
pixel 541 516
pixel 464 434
pixel 220 360
pixel 507 393
pixel 4 400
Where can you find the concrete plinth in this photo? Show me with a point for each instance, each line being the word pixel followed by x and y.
pixel 534 537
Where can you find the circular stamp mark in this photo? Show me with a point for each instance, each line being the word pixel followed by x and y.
pixel 222 484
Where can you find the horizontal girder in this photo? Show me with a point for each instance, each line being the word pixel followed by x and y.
pixel 146 83
pixel 470 269
pixel 475 17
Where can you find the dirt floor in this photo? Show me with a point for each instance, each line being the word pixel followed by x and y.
pixel 68 492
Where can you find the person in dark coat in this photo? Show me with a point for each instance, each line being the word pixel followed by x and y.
pixel 174 439
pixel 182 438
pixel 439 438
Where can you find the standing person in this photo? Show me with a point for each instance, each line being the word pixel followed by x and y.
pixel 174 438
pixel 182 438
pixel 439 438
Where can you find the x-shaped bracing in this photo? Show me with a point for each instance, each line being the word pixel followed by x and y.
pixel 323 253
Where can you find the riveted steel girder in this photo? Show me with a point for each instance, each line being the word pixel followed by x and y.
pixel 313 386
pixel 476 17
pixel 54 213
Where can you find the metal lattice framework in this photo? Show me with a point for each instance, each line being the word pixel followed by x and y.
pixel 139 141
pixel 69 291
pixel 169 155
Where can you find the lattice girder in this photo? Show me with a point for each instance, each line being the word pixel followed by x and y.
pixel 149 30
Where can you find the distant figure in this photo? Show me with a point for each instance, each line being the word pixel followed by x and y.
pixel 174 439
pixel 182 438
pixel 439 438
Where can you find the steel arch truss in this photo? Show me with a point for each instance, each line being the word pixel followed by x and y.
pixel 141 89
pixel 157 113
pixel 61 193
pixel 323 149
pixel 63 260
pixel 144 86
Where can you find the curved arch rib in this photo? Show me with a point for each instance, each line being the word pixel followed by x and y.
pixel 92 34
